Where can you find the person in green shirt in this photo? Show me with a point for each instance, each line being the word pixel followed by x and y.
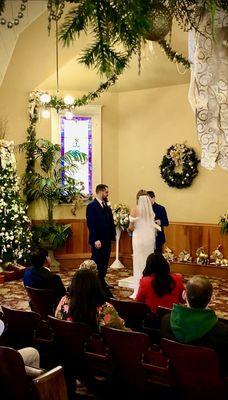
pixel 197 324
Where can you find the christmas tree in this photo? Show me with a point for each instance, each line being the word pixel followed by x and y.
pixel 15 226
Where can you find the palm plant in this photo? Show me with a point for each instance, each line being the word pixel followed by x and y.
pixel 52 183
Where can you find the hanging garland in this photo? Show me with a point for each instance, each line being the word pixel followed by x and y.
pixel 173 55
pixel 16 20
pixel 119 26
pixel 56 102
pixel 179 166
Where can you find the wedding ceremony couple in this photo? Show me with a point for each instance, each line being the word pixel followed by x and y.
pixel 147 220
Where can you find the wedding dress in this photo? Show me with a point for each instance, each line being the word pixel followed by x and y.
pixel 143 238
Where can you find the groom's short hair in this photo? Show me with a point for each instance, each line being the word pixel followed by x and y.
pixel 151 193
pixel 101 187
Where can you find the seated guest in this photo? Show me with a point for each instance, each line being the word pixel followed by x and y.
pixel 196 324
pixel 159 287
pixel 39 276
pixel 30 355
pixel 88 264
pixel 86 302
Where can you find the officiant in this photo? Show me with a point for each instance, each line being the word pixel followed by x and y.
pixel 161 219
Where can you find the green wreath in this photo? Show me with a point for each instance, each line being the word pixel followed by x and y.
pixel 179 166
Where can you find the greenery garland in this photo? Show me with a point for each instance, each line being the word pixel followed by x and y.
pixel 179 156
pixel 119 26
pixel 56 102
pixel 173 55
pixel 29 175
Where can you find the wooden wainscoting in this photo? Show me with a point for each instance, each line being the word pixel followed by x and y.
pixel 179 236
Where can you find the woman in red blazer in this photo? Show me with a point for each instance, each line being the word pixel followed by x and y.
pixel 159 287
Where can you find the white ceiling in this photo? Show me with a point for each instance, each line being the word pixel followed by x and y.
pixel 156 69
pixel 8 37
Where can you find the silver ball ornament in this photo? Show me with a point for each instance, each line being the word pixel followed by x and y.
pixel 16 21
pixel 161 23
pixel 20 14
pixel 9 25
pixel 3 21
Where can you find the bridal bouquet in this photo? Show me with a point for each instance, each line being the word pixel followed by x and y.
pixel 223 222
pixel 120 214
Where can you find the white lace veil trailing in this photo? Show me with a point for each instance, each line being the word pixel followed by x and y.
pixel 145 210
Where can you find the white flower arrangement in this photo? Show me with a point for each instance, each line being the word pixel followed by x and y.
pixel 120 214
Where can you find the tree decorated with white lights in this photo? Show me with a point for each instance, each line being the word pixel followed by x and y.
pixel 15 226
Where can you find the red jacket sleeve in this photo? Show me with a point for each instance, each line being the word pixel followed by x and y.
pixel 181 287
pixel 141 295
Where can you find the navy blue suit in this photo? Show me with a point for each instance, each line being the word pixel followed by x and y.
pixel 42 278
pixel 101 227
pixel 160 213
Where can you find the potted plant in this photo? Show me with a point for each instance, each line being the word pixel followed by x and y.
pixel 53 184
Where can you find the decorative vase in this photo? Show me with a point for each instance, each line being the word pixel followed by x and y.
pixel 117 264
pixel 55 265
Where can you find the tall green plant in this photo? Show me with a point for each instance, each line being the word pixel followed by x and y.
pixel 55 177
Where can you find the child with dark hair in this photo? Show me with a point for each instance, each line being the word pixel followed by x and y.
pixel 158 286
pixel 86 303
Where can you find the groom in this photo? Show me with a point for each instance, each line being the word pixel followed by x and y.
pixel 160 219
pixel 101 232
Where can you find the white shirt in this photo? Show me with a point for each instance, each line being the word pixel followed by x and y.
pixel 100 201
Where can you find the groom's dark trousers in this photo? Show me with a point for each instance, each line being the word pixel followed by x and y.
pixel 160 213
pixel 101 227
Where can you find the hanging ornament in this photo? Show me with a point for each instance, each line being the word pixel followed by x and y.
pixel 68 100
pixel 15 21
pixel 55 11
pixel 46 114
pixel 161 23
pixel 45 98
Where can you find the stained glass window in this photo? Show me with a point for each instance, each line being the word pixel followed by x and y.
pixel 76 133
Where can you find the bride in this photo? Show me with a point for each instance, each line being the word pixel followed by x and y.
pixel 144 234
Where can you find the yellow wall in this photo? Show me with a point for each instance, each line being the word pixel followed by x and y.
pixel 33 61
pixel 137 128
pixel 109 150
pixel 149 122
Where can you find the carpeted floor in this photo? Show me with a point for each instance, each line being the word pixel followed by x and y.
pixel 13 294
